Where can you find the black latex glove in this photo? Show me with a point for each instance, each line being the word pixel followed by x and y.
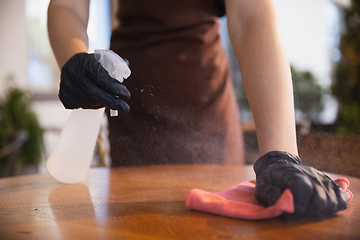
pixel 86 84
pixel 315 194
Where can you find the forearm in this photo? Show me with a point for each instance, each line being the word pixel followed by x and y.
pixel 266 75
pixel 67 24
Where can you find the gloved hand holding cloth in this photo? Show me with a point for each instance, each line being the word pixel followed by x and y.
pixel 315 193
pixel 282 187
pixel 86 84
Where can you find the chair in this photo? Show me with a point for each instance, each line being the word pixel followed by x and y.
pixel 12 152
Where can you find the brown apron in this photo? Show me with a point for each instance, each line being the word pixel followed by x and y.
pixel 183 107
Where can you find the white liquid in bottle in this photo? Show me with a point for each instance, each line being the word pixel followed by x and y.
pixel 71 158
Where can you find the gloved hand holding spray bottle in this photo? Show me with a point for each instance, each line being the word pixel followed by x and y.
pixel 71 158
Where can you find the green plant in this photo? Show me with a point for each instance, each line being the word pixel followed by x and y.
pixel 16 115
pixel 346 85
pixel 307 95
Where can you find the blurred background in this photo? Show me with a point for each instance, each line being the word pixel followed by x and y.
pixel 322 42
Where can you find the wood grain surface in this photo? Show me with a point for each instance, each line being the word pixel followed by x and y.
pixel 148 203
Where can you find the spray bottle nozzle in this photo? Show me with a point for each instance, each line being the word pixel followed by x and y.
pixel 117 67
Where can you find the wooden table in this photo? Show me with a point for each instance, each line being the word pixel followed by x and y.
pixel 148 203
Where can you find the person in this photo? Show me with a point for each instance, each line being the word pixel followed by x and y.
pixel 183 108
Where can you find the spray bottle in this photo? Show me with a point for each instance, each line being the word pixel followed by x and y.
pixel 71 158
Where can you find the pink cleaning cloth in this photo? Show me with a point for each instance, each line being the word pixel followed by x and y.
pixel 240 202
